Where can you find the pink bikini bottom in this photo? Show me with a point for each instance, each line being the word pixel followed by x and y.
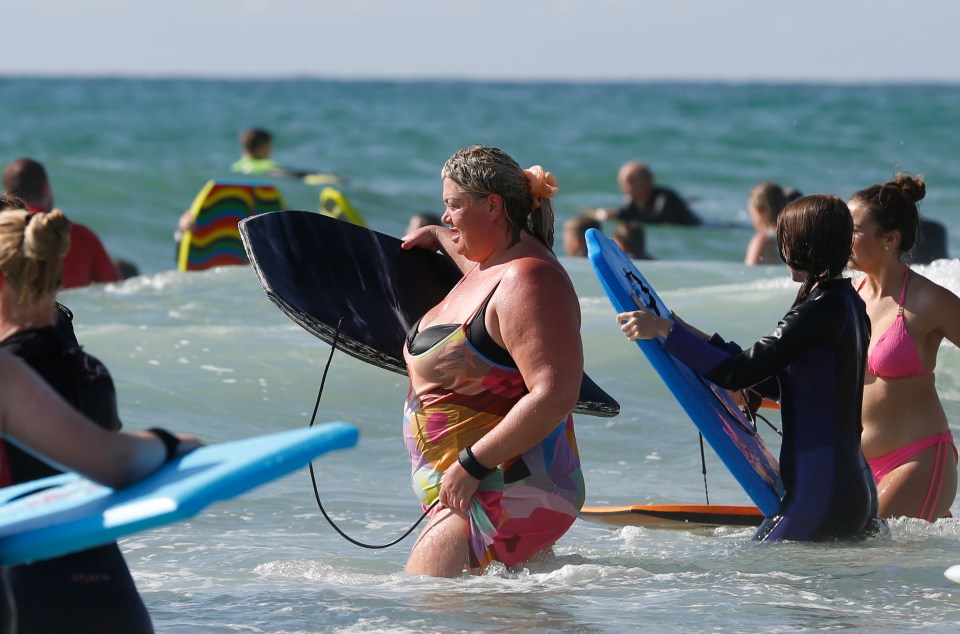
pixel 883 465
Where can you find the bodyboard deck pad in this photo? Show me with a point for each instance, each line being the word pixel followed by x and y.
pixel 216 211
pixel 66 513
pixel 712 409
pixel 342 281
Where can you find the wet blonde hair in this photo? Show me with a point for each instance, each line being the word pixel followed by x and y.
pixel 481 171
pixel 32 249
pixel 768 197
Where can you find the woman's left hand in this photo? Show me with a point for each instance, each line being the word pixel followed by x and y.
pixel 457 489
pixel 643 324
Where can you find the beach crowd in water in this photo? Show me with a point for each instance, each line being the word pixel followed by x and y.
pixel 488 416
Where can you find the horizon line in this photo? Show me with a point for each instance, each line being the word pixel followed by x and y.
pixel 292 76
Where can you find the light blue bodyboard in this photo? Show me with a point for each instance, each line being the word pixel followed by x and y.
pixel 721 422
pixel 66 513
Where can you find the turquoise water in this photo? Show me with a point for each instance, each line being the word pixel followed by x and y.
pixel 209 353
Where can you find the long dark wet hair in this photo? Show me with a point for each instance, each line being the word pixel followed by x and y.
pixel 815 235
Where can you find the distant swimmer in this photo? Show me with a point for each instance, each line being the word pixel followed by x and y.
pixel 813 362
pixel 932 242
pixel 87 261
pixel 645 201
pixel 764 205
pixel 906 434
pixel 423 219
pixel 257 145
pixel 632 238
pixel 574 242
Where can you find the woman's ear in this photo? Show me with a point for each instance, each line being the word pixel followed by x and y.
pixel 891 239
pixel 496 205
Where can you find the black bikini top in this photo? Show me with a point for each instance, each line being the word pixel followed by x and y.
pixel 476 333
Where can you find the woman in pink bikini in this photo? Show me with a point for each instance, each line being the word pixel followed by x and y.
pixel 906 436
pixel 495 371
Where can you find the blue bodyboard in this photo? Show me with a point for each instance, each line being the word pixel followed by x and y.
pixel 66 513
pixel 712 409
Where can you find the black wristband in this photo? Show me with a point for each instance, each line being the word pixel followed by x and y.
pixel 471 465
pixel 170 442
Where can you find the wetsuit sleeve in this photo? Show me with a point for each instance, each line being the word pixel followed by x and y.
pixel 769 388
pixel 669 207
pixel 808 325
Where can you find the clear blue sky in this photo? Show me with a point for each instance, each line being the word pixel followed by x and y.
pixel 832 40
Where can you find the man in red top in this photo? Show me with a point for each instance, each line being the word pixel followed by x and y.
pixel 87 261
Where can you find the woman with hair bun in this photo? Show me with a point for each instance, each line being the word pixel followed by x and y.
pixel 495 371
pixel 906 436
pixel 813 363
pixel 91 590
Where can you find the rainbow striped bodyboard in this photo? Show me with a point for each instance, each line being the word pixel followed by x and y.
pixel 217 209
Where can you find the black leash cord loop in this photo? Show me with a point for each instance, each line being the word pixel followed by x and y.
pixel 652 306
pixel 703 465
pixel 753 414
pixel 313 476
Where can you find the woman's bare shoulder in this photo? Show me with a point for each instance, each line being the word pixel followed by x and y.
pixel 536 270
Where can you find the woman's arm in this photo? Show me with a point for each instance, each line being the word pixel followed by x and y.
pixel 945 308
pixel 35 417
pixel 806 326
pixel 538 321
pixel 754 249
pixel 644 324
pixel 436 238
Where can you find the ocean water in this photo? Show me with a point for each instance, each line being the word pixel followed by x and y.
pixel 210 354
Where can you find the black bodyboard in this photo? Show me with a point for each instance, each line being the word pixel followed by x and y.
pixel 329 275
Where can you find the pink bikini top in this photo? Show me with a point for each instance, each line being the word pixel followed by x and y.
pixel 895 356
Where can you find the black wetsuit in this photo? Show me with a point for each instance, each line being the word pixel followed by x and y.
pixel 814 362
pixel 665 207
pixel 92 590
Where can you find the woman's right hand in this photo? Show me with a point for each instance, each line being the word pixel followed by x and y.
pixel 457 489
pixel 188 443
pixel 422 238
